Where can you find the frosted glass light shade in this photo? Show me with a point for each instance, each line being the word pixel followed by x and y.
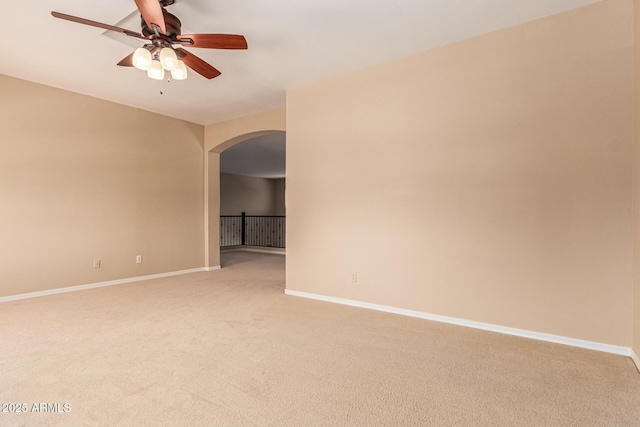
pixel 141 59
pixel 155 70
pixel 168 59
pixel 180 72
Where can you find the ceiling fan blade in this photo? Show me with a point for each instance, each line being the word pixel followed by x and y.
pixel 97 24
pixel 197 64
pixel 213 41
pixel 127 61
pixel 151 12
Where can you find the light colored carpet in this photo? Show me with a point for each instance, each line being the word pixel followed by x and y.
pixel 229 348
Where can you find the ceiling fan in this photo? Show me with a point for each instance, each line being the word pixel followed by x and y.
pixel 160 32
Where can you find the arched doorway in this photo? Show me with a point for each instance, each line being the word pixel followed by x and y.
pixel 219 137
pixel 252 196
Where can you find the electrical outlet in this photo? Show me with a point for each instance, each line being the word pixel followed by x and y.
pixel 354 277
pixel 138 259
pixel 96 263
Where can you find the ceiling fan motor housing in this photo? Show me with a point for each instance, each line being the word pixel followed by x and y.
pixel 172 24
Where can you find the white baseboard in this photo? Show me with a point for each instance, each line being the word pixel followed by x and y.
pixel 635 359
pixel 215 267
pixel 98 285
pixel 262 251
pixel 591 345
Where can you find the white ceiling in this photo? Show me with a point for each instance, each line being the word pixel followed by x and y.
pixel 262 157
pixel 291 42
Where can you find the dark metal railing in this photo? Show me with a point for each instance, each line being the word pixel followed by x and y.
pixel 252 230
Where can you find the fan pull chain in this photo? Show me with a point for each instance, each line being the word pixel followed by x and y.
pixel 161 82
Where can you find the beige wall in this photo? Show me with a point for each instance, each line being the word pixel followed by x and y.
pixel 280 203
pixel 212 213
pixel 488 180
pixel 636 210
pixel 218 137
pixel 82 178
pixel 255 196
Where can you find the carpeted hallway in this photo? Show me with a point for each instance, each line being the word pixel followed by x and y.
pixel 228 348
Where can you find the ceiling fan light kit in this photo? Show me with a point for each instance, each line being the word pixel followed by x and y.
pixel 180 72
pixel 168 59
pixel 142 59
pixel 155 70
pixel 160 32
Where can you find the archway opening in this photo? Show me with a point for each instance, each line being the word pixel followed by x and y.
pixel 268 232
